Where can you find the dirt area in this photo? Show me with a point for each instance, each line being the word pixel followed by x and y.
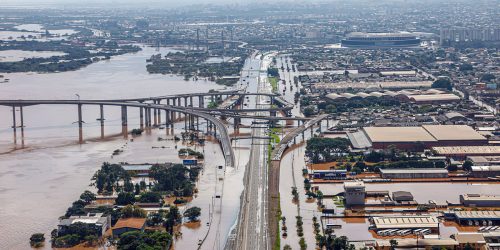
pixel 460 227
pixel 192 224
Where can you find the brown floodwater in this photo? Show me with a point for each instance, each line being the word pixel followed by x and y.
pixel 42 173
pixel 357 229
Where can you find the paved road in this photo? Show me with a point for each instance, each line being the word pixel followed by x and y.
pixel 252 228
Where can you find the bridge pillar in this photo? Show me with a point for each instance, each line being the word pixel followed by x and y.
pixel 198 123
pixel 124 121
pixel 319 124
pixel 148 117
pixel 14 122
pixel 159 113
pixel 212 97
pixel 201 101
pixel 22 125
pixel 185 122
pixel 155 115
pixel 141 117
pixel 21 117
pixel 185 101
pixel 191 101
pixel 167 120
pixel 80 124
pixel 101 119
pixel 327 123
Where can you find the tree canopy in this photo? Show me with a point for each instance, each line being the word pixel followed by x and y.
pixel 443 83
pixel 326 149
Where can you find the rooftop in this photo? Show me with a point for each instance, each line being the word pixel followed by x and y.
pixel 434 97
pixel 136 223
pixel 485 168
pixel 477 197
pixel 137 167
pixel 453 132
pixel 464 238
pixel 365 34
pixel 421 242
pixel 398 134
pixel 468 150
pixel 477 214
pixel 414 171
pixel 354 184
pixel 406 222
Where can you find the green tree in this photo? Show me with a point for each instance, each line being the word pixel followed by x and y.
pixel 157 218
pixel 144 240
pixel 148 197
pixel 125 199
pixel 192 213
pixel 309 111
pixel 467 165
pixel 326 149
pixel 133 211
pixel 137 189
pixel 87 197
pixel 442 83
pixel 37 240
pixel 173 218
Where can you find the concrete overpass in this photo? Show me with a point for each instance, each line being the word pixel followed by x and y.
pixel 145 117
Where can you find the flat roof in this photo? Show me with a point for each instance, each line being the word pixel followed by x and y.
pixel 485 168
pixel 354 184
pixel 419 242
pixel 398 134
pixel 469 237
pixel 137 167
pixel 414 171
pixel 477 214
pixel 479 197
pixel 406 222
pixel 468 150
pixel 453 132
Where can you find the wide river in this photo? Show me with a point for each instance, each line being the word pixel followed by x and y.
pixel 44 171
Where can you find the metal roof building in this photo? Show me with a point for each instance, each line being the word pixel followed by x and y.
pixel 453 132
pixel 480 200
pixel 407 222
pixel 413 173
pixel 426 136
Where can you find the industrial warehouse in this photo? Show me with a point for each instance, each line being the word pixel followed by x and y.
pixel 407 95
pixel 420 138
pixel 413 173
